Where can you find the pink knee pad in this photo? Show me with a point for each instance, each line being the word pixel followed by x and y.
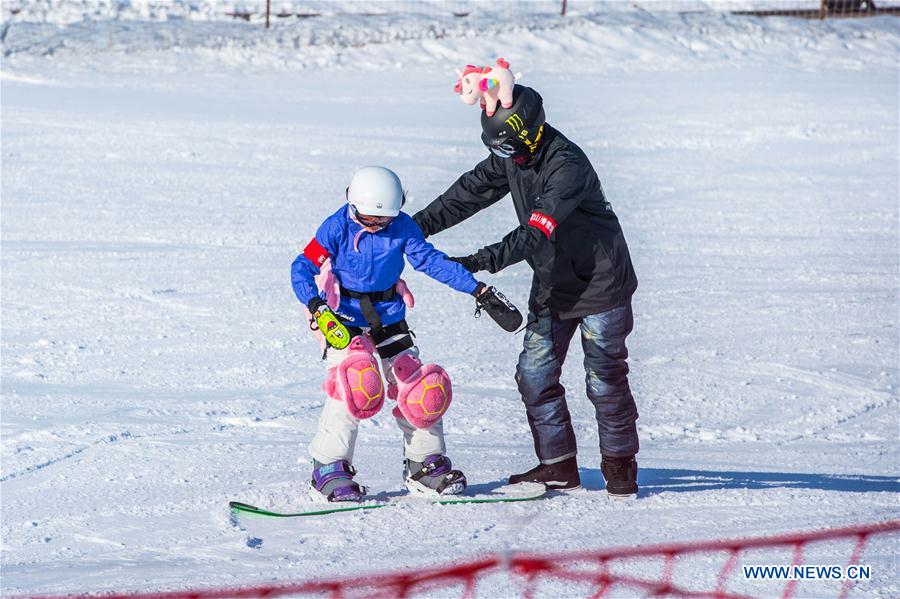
pixel 356 380
pixel 423 391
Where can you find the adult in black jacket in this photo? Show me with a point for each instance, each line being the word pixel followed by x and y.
pixel 583 277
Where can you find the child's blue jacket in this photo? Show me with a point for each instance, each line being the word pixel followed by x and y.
pixel 369 262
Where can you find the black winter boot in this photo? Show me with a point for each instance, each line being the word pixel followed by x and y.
pixel 560 476
pixel 620 475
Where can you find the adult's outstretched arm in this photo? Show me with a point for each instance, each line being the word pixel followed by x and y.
pixel 560 198
pixel 473 191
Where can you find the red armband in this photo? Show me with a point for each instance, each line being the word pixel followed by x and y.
pixel 316 253
pixel 542 223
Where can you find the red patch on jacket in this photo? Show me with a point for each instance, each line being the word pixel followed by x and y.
pixel 542 223
pixel 316 253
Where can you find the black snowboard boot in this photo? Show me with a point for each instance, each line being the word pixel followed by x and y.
pixel 561 476
pixel 620 475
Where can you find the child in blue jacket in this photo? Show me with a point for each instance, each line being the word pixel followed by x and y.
pixel 366 242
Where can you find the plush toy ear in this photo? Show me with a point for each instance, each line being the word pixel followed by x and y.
pixel 457 89
pixel 501 62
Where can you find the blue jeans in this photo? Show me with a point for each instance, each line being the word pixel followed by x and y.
pixel 540 365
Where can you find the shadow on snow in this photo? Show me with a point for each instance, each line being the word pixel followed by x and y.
pixel 663 480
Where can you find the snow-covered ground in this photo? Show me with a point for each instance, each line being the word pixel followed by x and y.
pixel 155 363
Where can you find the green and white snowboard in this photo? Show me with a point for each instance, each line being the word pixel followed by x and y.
pixel 509 493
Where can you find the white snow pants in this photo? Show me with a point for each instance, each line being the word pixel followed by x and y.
pixel 336 435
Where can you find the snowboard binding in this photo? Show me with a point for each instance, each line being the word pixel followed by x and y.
pixel 334 482
pixel 433 478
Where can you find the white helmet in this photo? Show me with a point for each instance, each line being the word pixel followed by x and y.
pixel 376 191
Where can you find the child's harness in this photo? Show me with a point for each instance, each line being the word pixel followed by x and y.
pixel 379 332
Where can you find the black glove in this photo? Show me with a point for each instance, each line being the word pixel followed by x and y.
pixel 498 307
pixel 470 263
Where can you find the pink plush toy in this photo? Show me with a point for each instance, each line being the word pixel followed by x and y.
pixel 486 85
